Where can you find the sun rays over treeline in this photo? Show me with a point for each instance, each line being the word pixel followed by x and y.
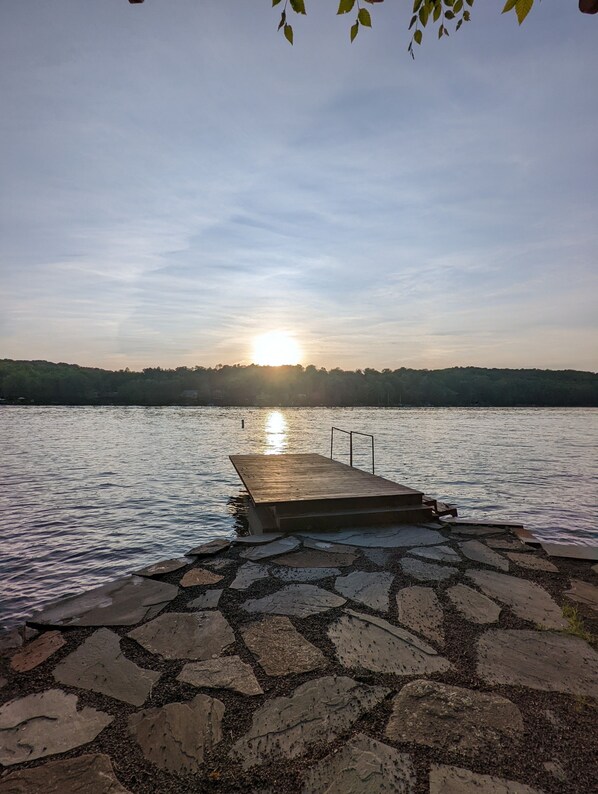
pixel 45 383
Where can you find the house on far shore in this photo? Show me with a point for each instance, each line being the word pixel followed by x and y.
pixel 189 395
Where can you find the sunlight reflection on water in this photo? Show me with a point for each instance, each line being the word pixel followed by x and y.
pixel 88 494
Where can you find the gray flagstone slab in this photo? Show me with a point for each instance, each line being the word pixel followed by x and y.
pixel 176 737
pixel 453 780
pixel 312 558
pixel 209 548
pixel 92 774
pixel 279 648
pixel 420 610
pixel 379 557
pixel 479 552
pixel 208 600
pixel 44 724
pixel 162 567
pixel 437 553
pixel 533 562
pixel 574 551
pixel 123 602
pixel 249 573
pixel 361 766
pixel 227 672
pixel 326 545
pixel 262 552
pixel 473 605
pixel 388 537
pixel 37 651
pixel 298 600
pixel 302 574
pixel 315 713
pixel 371 589
pixel 258 540
pixel 583 593
pixel 452 718
pixel 99 665
pixel 427 571
pixel 186 635
pixel 527 599
pixel 544 660
pixel 371 643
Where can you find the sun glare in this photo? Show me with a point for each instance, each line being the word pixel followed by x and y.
pixel 275 348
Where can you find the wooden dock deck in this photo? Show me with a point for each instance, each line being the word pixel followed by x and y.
pixel 309 491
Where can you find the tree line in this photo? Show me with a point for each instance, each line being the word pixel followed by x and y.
pixel 46 383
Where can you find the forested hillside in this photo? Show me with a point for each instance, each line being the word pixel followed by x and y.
pixel 43 382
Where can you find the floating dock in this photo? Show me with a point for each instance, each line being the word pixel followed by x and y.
pixel 294 493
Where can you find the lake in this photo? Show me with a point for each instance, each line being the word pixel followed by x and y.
pixel 88 494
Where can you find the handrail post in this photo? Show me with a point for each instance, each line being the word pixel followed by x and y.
pixel 351 448
pixel 373 464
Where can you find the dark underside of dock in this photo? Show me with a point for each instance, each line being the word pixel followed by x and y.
pixel 291 493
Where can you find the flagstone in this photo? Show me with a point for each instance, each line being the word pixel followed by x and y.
pixel 219 565
pixel 584 593
pixel 452 718
pixel 438 553
pixel 37 651
pixel 92 774
pixel 473 605
pixel 11 639
pixel 208 600
pixel 371 589
pixel 575 551
pixel 280 546
pixel 124 602
pixel 312 558
pixel 257 540
pixel 361 766
pixel 544 660
pixel 200 576
pixel 427 571
pixel 316 712
pixel 227 672
pixel 99 665
pixel 420 610
pixel 533 562
pixel 3 682
pixel 44 724
pixel 527 599
pixel 510 544
pixel 249 573
pixel 379 557
pixel 298 600
pixel 186 635
pixel 302 574
pixel 371 643
pixel 209 548
pixel 388 537
pixel 481 531
pixel 453 780
pixel 325 545
pixel 162 567
pixel 279 648
pixel 176 737
pixel 478 552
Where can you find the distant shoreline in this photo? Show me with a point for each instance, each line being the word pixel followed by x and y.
pixel 47 383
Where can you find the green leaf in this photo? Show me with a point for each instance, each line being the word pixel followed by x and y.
pixel 458 6
pixel 423 15
pixel 418 36
pixel 298 6
pixel 413 21
pixel 437 12
pixel 364 17
pixel 276 2
pixel 288 33
pixel 283 19
pixel 523 8
pixel 354 31
pixel 345 6
pixel 509 6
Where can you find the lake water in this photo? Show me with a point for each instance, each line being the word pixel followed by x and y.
pixel 88 494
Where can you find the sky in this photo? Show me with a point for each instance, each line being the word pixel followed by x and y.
pixel 176 180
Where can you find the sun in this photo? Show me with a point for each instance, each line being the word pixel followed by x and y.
pixel 275 348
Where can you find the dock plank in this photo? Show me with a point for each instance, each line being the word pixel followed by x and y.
pixel 275 479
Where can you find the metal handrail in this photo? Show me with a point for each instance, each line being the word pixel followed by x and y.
pixel 352 433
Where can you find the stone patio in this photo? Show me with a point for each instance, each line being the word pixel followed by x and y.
pixel 419 660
